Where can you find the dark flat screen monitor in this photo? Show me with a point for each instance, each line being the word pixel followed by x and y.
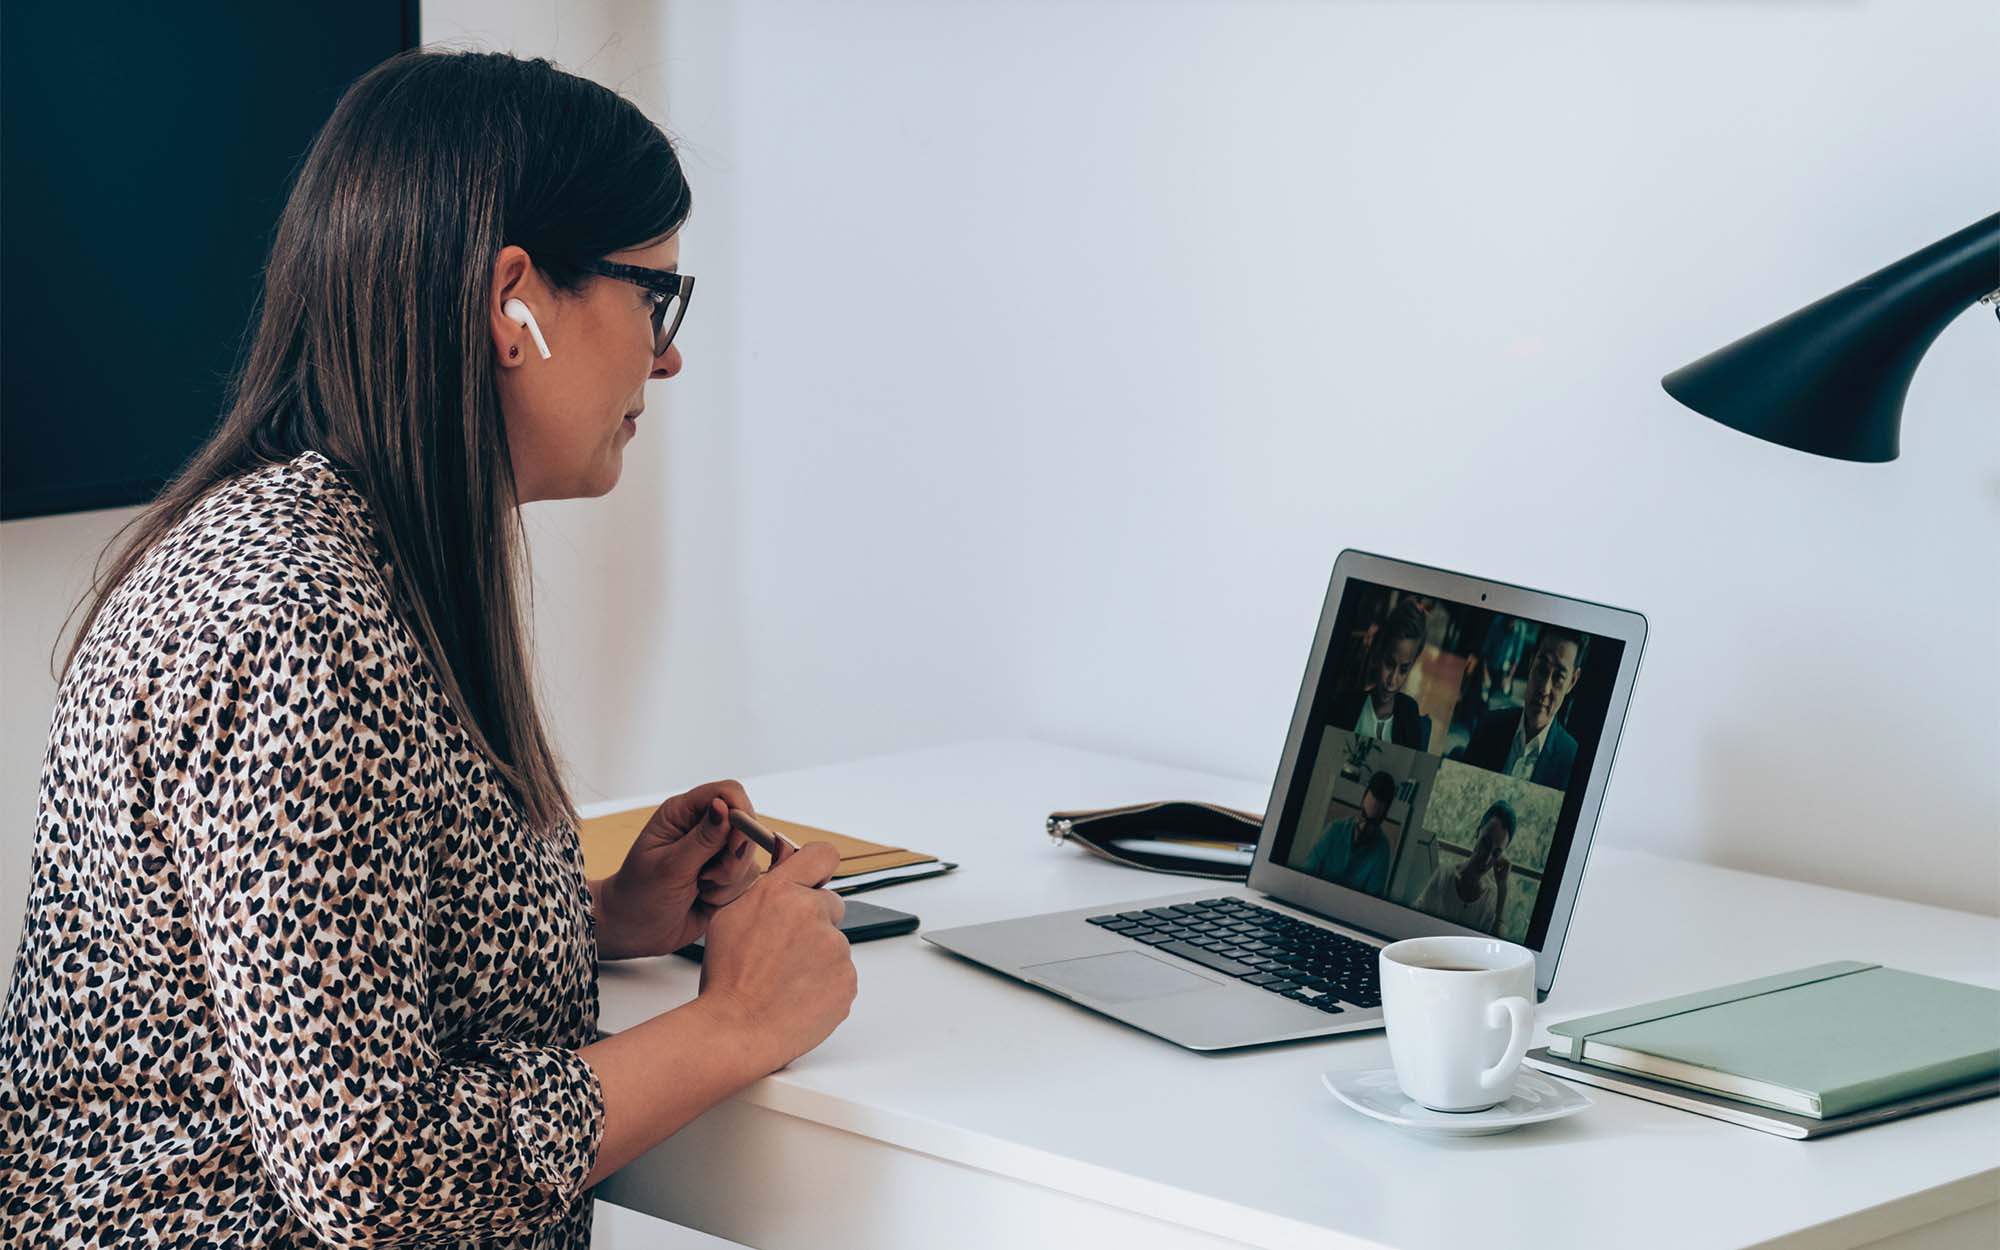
pixel 145 154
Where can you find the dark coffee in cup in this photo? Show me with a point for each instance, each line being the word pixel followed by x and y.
pixel 1451 1004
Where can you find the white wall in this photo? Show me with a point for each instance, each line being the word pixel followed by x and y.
pixel 45 563
pixel 1070 341
pixel 1046 353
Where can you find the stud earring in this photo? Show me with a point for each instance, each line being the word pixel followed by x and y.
pixel 513 352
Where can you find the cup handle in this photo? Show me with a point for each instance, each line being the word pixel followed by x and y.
pixel 1523 1015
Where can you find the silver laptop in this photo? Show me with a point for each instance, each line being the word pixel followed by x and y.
pixel 1443 774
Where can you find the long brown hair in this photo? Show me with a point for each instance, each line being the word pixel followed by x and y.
pixel 371 346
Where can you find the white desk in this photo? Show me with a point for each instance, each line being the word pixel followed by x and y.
pixel 957 1108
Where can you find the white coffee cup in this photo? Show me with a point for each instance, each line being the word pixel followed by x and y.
pixel 1460 1013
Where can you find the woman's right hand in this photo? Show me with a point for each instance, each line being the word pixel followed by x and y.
pixel 776 962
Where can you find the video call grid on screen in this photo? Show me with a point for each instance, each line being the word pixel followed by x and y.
pixel 1446 758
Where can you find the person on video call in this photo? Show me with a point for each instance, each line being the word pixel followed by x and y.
pixel 1471 893
pixel 1526 741
pixel 1355 852
pixel 1380 709
pixel 318 861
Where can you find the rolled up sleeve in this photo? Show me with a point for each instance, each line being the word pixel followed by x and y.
pixel 301 830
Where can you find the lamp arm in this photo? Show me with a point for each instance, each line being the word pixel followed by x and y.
pixel 1930 287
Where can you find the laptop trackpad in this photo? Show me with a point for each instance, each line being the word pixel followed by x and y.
pixel 1119 978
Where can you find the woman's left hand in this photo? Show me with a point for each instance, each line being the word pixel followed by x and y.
pixel 686 862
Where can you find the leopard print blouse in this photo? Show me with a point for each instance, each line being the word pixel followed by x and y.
pixel 295 970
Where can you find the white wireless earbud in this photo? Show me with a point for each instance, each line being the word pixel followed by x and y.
pixel 519 313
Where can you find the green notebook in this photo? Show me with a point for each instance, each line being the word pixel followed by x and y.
pixel 1822 1041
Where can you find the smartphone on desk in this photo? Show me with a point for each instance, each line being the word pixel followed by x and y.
pixel 864 922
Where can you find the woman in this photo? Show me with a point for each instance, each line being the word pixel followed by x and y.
pixel 1474 892
pixel 310 958
pixel 1378 708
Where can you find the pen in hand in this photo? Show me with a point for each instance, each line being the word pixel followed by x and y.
pixel 775 844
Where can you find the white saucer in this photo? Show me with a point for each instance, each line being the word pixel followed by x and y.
pixel 1536 1098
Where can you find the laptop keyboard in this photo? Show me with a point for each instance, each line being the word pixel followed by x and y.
pixel 1261 947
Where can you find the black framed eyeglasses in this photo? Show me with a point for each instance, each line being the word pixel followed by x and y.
pixel 670 292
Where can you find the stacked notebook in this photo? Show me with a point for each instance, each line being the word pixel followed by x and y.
pixel 1801 1054
pixel 863 865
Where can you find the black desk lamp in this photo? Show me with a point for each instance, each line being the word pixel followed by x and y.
pixel 1830 378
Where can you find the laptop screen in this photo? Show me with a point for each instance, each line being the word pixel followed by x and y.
pixel 1446 757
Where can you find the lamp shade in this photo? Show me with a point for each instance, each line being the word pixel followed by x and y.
pixel 1830 378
